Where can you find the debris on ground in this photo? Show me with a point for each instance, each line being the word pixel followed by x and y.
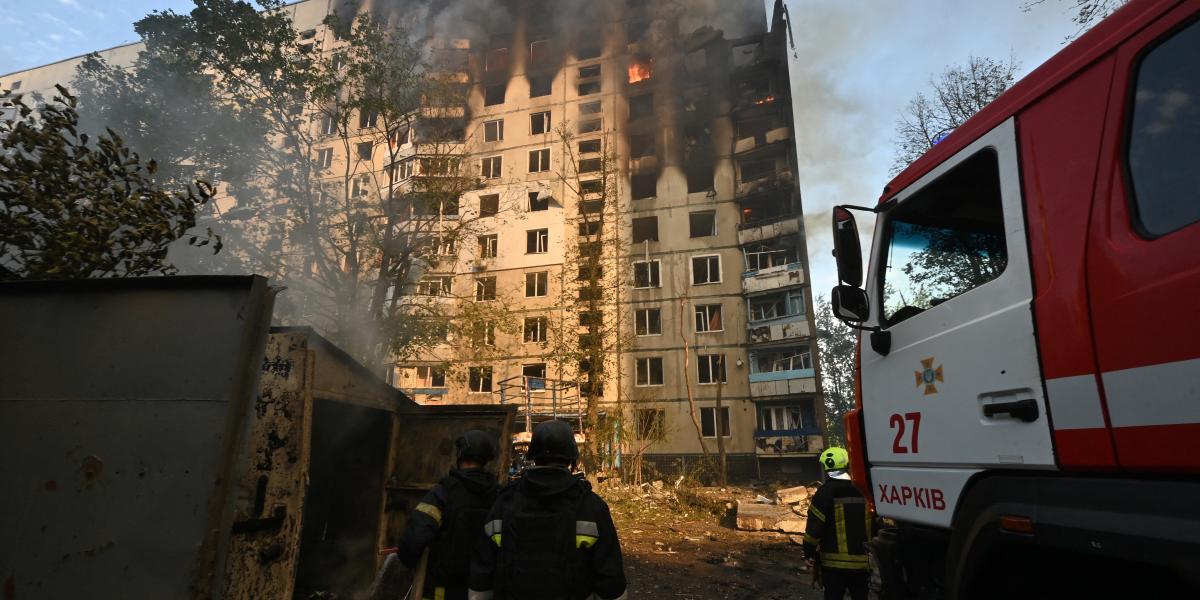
pixel 682 541
pixel 787 513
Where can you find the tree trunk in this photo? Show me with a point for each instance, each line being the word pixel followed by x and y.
pixel 723 473
pixel 687 382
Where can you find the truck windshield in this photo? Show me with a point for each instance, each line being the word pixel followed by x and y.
pixel 944 240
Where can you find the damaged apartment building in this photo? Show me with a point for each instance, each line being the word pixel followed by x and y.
pixel 658 137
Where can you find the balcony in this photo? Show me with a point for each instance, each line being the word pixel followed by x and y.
pixel 788 428
pixel 766 229
pixel 782 371
pixel 749 141
pixel 768 444
pixel 773 278
pixel 777 316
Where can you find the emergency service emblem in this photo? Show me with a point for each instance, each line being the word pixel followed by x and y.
pixel 928 375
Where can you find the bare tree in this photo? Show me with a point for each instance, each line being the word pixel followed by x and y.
pixel 1087 12
pixel 589 335
pixel 955 95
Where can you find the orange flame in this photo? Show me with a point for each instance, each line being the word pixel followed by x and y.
pixel 640 71
pixel 765 100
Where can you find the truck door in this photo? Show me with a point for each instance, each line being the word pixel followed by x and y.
pixel 1143 259
pixel 959 389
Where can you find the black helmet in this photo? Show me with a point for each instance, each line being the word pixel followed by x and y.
pixel 475 445
pixel 553 440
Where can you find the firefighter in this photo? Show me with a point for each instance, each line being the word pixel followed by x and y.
pixel 448 519
pixel 549 536
pixel 839 527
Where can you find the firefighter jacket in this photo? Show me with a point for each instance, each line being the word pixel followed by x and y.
pixel 447 521
pixel 549 537
pixel 839 526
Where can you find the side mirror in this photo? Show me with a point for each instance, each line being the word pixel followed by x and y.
pixel 849 303
pixel 846 248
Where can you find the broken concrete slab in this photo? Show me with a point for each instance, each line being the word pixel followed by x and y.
pixel 792 525
pixel 760 517
pixel 793 495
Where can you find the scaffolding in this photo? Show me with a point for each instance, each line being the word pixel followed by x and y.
pixel 543 399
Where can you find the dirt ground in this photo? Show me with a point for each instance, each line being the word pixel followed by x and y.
pixel 681 543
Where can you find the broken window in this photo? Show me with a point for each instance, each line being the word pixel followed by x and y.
pixel 645 229
pixel 479 379
pixel 640 69
pixel 784 359
pixel 699 177
pixel 434 286
pixel 710 368
pixel 706 269
pixel 539 201
pixel 431 377
pixel 589 87
pixel 403 169
pixel 360 187
pixel 535 375
pixel 364 150
pixel 590 125
pixel 746 54
pixel 483 334
pixel 324 158
pixel 493 131
pixel 539 160
pixel 591 207
pixel 708 421
pixel 641 145
pixel 649 371
pixel 535 329
pixel 488 245
pixel 367 118
pixel 702 223
pixel 496 59
pixel 588 47
pixel 753 170
pixel 485 289
pixel 540 86
pixel 641 106
pixel 591 186
pixel 647 321
pixel 589 228
pixel 590 249
pixel 590 108
pixel 539 52
pixel 328 125
pixel 589 71
pixel 537 241
pixel 787 418
pixel 646 274
pixel 708 318
pixel 777 305
pixel 536 284
pixel 494 94
pixel 644 186
pixel 539 123
pixel 590 165
pixel 489 205
pixel 491 167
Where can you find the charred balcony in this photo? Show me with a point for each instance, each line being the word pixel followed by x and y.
pixel 788 427
pixel 782 371
pixel 777 316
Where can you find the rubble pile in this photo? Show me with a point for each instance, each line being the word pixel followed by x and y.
pixel 786 512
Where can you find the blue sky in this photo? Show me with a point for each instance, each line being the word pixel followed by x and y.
pixel 857 64
pixel 37 32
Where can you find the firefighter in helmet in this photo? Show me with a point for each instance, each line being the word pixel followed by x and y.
pixel 448 519
pixel 548 535
pixel 839 527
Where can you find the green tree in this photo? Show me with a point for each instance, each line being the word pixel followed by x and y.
pixel 837 344
pixel 74 209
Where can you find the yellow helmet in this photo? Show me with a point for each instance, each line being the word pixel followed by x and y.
pixel 835 459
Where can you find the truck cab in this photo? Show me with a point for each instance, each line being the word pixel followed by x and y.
pixel 1028 404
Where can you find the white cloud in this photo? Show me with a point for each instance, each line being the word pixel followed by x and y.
pixel 71 3
pixel 61 23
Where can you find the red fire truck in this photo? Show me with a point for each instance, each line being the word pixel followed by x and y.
pixel 1028 409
